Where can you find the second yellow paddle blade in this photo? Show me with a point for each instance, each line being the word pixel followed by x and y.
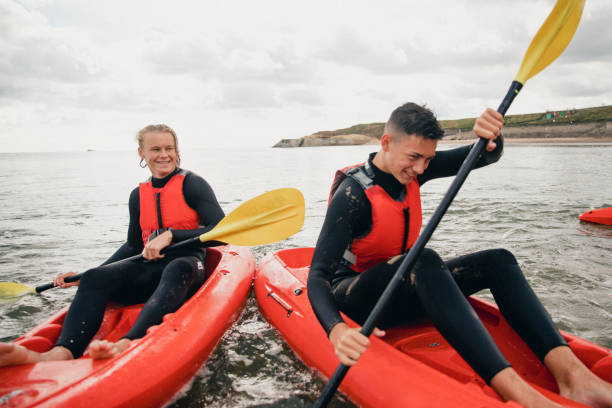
pixel 12 289
pixel 552 38
pixel 267 218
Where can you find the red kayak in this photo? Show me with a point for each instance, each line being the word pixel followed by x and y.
pixel 153 369
pixel 599 216
pixel 412 366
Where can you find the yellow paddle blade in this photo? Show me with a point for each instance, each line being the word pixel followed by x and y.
pixel 12 289
pixel 267 218
pixel 552 38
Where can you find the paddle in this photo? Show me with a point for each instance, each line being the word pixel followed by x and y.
pixel 550 41
pixel 267 218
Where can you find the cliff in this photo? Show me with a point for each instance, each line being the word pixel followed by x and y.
pixel 590 124
pixel 333 140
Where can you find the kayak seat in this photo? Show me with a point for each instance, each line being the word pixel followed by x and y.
pixel 423 342
pixel 117 321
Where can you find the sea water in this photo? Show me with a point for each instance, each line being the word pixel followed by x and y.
pixel 68 212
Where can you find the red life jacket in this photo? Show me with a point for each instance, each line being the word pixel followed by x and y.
pixel 388 236
pixel 165 207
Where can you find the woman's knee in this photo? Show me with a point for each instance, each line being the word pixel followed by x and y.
pixel 182 269
pixel 95 278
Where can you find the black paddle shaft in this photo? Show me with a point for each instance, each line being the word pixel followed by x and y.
pixel 418 246
pixel 78 276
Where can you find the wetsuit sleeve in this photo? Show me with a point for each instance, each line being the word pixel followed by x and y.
pixel 349 212
pixel 133 245
pixel 448 162
pixel 491 157
pixel 200 196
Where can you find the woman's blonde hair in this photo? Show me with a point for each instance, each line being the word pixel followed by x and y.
pixel 159 128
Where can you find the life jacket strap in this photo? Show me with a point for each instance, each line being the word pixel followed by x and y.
pixel 361 176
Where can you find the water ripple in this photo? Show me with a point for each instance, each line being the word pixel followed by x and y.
pixel 529 203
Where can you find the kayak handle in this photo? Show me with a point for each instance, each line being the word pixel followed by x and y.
pixel 281 302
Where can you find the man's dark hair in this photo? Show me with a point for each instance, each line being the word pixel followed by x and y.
pixel 415 119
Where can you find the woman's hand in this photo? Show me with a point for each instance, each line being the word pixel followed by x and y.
pixel 349 344
pixel 488 126
pixel 59 280
pixel 151 250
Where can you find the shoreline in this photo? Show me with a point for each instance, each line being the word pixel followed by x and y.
pixel 591 132
pixel 541 140
pixel 606 140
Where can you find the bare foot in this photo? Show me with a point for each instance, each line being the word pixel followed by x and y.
pixel 14 354
pixel 576 381
pixel 100 349
pixel 588 389
pixel 511 387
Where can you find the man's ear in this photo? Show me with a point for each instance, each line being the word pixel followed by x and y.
pixel 385 141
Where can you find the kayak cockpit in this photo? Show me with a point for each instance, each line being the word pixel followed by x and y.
pixel 117 320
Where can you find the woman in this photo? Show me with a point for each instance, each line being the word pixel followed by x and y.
pixel 173 205
pixel 374 215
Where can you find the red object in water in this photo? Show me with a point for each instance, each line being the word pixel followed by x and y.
pixel 153 369
pixel 412 366
pixel 599 216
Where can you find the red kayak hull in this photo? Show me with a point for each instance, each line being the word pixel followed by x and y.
pixel 412 366
pixel 599 216
pixel 153 369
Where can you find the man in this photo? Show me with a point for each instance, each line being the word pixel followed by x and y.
pixel 374 216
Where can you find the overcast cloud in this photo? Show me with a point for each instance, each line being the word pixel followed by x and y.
pixel 77 75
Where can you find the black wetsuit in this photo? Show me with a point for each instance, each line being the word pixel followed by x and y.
pixel 434 287
pixel 164 284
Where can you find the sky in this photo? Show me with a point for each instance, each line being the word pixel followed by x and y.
pixel 77 75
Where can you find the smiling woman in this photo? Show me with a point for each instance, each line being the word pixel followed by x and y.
pixel 173 205
pixel 159 151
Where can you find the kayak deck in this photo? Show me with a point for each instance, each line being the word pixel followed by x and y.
pixel 412 365
pixel 153 368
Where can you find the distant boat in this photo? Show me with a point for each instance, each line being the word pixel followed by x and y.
pixel 599 216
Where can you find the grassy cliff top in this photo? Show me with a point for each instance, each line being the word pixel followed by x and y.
pixel 560 117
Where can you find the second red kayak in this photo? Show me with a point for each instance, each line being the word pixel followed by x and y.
pixel 598 216
pixel 153 368
pixel 412 366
